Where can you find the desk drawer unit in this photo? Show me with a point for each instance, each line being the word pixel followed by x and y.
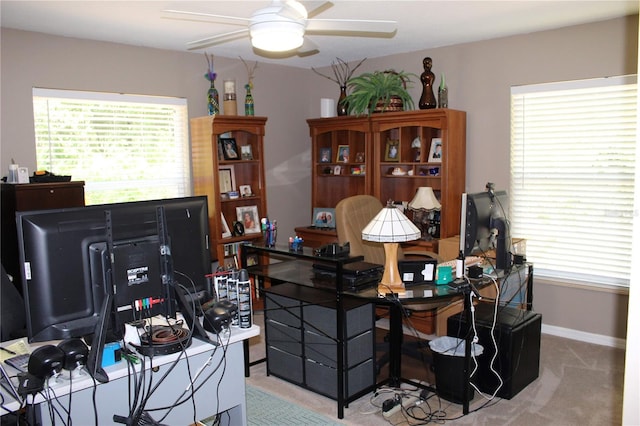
pixel 301 337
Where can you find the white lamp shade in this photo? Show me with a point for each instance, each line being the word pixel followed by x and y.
pixel 278 28
pixel 425 199
pixel 390 226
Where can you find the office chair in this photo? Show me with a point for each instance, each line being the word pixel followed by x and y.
pixel 352 215
pixel 14 316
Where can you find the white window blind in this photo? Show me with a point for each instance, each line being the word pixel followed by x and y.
pixel 125 147
pixel 572 177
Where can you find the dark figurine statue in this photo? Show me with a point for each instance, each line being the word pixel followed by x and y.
pixel 427 99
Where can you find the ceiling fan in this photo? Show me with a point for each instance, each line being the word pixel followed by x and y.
pixel 282 26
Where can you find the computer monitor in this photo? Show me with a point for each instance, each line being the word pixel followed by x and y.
pixel 63 254
pixel 485 225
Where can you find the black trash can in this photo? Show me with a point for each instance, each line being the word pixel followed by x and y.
pixel 448 363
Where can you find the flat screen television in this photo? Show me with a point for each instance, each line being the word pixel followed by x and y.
pixel 63 254
pixel 485 226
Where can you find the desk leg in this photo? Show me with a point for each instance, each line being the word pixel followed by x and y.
pixel 467 355
pixel 395 344
pixel 530 287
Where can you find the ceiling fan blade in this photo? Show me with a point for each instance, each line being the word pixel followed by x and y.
pixel 217 39
pixel 308 48
pixel 201 16
pixel 314 8
pixel 330 26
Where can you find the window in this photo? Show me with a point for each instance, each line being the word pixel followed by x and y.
pixel 125 147
pixel 572 177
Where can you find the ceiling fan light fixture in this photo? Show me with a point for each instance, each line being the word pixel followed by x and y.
pixel 277 36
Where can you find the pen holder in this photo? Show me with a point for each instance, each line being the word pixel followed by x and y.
pixel 295 243
pixel 269 234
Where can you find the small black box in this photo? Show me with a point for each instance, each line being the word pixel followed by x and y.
pixel 517 334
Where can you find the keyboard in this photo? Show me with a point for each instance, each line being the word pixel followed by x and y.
pixel 468 261
pixel 19 362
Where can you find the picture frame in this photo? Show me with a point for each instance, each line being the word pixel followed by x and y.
pixel 325 155
pixel 246 152
pixel 252 259
pixel 229 148
pixel 248 216
pixel 245 191
pixel 392 151
pixel 435 152
pixel 343 154
pixel 324 217
pixel 226 231
pixel 227 179
pixel 337 170
pixel 23 175
pixel 359 157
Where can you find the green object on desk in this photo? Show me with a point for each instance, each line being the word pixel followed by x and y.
pixel 444 275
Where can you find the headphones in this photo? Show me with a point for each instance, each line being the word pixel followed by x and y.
pixel 218 318
pixel 47 361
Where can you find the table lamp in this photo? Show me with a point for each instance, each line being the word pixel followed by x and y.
pixel 422 205
pixel 390 226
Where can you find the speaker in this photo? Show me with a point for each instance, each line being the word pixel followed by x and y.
pixel 517 333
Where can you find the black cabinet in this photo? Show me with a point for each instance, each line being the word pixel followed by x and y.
pixel 31 196
pixel 302 334
pixel 517 334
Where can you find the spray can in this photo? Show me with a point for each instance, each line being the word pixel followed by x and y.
pixel 244 299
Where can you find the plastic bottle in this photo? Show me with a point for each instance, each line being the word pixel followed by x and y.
pixel 460 265
pixel 12 177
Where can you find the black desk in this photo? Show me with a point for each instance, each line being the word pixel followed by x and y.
pixel 421 297
pixel 296 267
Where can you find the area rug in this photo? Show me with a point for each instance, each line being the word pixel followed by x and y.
pixel 264 409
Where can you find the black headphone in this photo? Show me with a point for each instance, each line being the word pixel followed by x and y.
pixel 218 317
pixel 75 353
pixel 44 362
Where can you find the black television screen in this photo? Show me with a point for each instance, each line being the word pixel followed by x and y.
pixel 485 226
pixel 62 253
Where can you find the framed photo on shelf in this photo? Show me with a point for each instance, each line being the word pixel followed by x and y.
pixel 227 178
pixel 246 153
pixel 325 155
pixel 229 149
pixel 248 216
pixel 435 153
pixel 324 217
pixel 359 157
pixel 245 191
pixel 343 154
pixel 226 231
pixel 392 151
pixel 337 170
pixel 252 259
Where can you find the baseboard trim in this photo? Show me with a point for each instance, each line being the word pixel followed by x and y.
pixel 583 336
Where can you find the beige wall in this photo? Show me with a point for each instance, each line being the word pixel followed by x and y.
pixel 479 76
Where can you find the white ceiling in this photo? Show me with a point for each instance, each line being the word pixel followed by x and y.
pixel 422 24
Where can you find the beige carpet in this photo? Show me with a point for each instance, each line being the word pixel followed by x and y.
pixel 579 384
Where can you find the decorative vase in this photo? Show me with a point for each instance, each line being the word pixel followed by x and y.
pixel 213 104
pixel 342 108
pixel 249 109
pixel 443 94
